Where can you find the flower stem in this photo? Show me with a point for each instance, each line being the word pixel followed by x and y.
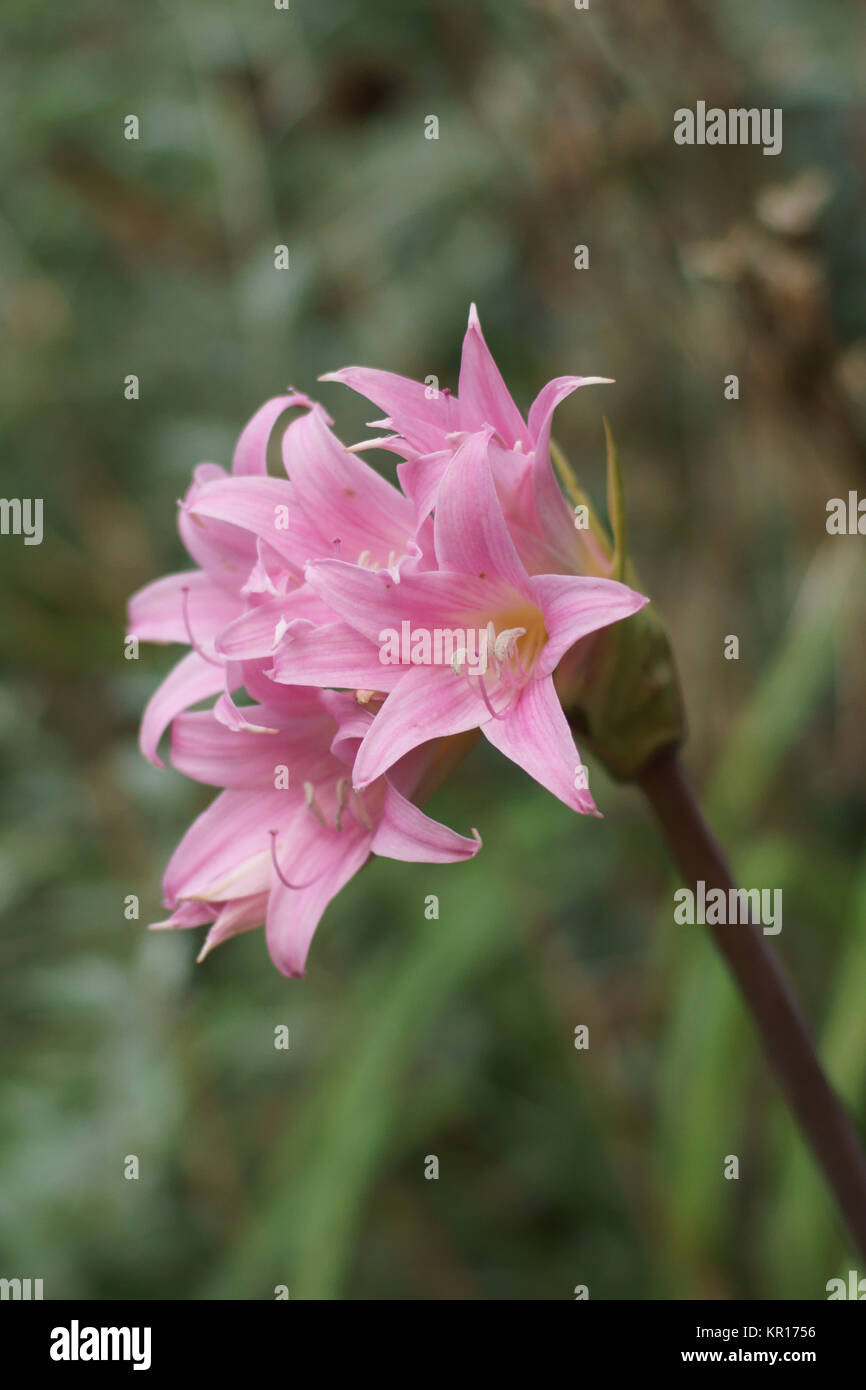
pixel 765 988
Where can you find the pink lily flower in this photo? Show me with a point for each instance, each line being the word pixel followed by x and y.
pixel 338 505
pixel 299 582
pixel 267 852
pixel 430 425
pixel 252 535
pixel 481 585
pixel 193 606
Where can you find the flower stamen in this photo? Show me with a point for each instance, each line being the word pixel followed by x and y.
pixel 361 813
pixel 280 875
pixel 313 805
pixel 342 796
pixel 482 690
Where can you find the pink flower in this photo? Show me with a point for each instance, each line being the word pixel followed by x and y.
pixel 192 606
pixel 299 579
pixel 481 585
pixel 289 831
pixel 428 425
pixel 252 536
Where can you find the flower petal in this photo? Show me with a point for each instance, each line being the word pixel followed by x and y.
pixel 264 508
pixel 483 397
pixel 225 551
pixel 429 702
pixel 575 605
pixel 226 852
pixel 536 736
pixel 238 915
pixel 334 654
pixel 345 499
pixel 422 421
pixel 186 915
pixel 553 513
pixel 191 680
pixel 156 612
pixel 251 451
pixel 327 862
pixel 257 633
pixel 470 531
pixel 207 751
pixel 420 480
pixel 371 602
pixel 404 832
pixel 552 395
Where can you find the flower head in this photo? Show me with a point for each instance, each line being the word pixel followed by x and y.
pixel 318 742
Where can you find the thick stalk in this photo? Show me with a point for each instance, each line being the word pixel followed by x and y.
pixel 767 993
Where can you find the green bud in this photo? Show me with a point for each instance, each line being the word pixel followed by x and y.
pixel 619 688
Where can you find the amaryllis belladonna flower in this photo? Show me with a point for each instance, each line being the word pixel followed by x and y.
pixel 298 579
pixel 289 829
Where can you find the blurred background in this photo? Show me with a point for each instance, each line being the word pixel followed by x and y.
pixel 412 1037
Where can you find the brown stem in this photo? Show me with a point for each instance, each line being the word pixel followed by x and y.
pixel 775 1011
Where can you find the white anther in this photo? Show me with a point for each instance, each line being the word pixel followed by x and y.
pixel 506 641
pixel 457 661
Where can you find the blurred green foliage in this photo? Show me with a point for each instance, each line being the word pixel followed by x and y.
pixel 412 1037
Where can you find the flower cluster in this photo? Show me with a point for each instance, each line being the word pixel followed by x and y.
pixel 318 738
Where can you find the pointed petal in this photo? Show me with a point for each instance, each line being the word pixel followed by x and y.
pixel 404 832
pixel 191 680
pixel 268 577
pixel 239 915
pixel 225 551
pixel 156 612
pixel 226 852
pixel 238 718
pixel 263 508
pixel 257 633
pixel 329 860
pixel 552 395
pixel 389 443
pixel 423 422
pixel 575 605
pixel 343 497
pixel 353 721
pixel 207 751
pixel 420 480
pixel 554 514
pixel 186 915
pixel 429 702
pixel 296 727
pixel 536 736
pixel 483 397
pixel 470 531
pixel 371 602
pixel 332 655
pixel 251 452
